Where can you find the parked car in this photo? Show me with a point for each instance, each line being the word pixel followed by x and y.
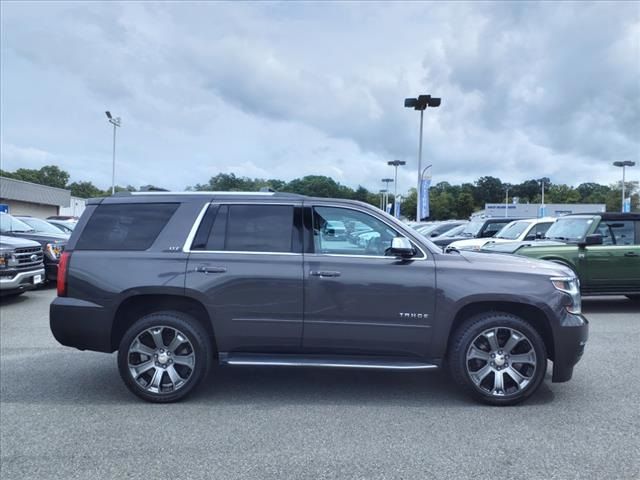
pixel 439 228
pixel 65 218
pixel 479 228
pixel 518 230
pixel 334 230
pixel 454 232
pixel 66 226
pixel 174 282
pixel 52 243
pixel 602 249
pixel 21 266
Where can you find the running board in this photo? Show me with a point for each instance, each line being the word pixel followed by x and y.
pixel 285 360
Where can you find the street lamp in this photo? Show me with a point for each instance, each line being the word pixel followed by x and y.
pixel 396 164
pixel 382 194
pixel 506 203
pixel 421 103
pixel 386 200
pixel 624 165
pixel 116 122
pixel 542 207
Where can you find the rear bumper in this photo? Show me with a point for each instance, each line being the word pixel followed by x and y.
pixel 569 343
pixel 81 324
pixel 21 281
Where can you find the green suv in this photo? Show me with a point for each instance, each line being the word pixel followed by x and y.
pixel 603 249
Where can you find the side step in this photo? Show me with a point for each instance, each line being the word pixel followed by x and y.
pixel 335 361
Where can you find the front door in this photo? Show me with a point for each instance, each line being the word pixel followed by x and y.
pixel 359 300
pixel 615 265
pixel 245 264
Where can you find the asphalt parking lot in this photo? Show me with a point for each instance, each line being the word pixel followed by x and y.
pixel 66 414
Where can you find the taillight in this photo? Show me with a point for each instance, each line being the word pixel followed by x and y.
pixel 62 274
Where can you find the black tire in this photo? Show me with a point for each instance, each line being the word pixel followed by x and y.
pixel 196 347
pixel 472 331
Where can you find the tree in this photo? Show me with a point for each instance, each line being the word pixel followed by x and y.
pixel 489 190
pixel 464 205
pixel 49 175
pixel 84 190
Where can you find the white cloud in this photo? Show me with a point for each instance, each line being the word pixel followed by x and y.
pixel 283 90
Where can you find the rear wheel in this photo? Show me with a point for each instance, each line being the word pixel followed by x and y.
pixel 164 356
pixel 498 358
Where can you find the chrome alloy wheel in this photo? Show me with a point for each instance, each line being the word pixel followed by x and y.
pixel 501 361
pixel 161 359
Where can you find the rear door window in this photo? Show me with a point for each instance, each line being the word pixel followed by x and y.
pixel 623 232
pixel 249 228
pixel 125 226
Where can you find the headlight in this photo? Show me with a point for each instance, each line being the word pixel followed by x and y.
pixel 4 260
pixel 570 286
pixel 54 250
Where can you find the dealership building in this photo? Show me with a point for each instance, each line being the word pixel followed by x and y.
pixel 25 198
pixel 534 210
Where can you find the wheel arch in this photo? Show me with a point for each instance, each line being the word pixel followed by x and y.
pixel 136 306
pixel 530 313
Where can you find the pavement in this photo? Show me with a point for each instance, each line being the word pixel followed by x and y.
pixel 65 414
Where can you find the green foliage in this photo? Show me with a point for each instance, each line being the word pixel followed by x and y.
pixel 446 200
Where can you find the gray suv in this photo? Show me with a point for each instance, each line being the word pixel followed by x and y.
pixel 174 282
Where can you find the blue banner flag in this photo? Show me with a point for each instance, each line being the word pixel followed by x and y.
pixel 424 198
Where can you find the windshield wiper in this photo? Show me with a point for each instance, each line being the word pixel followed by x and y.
pixel 559 238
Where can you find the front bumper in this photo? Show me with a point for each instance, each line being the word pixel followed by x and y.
pixel 22 281
pixel 570 339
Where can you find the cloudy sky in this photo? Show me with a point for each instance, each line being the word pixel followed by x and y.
pixel 281 90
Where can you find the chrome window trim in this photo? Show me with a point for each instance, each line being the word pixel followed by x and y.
pixel 366 212
pixel 186 248
pixel 207 192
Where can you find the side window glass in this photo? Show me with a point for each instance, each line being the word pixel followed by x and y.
pixel 623 232
pixel 350 232
pixel 247 228
pixel 603 229
pixel 541 229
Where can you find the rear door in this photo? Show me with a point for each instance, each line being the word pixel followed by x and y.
pixel 358 300
pixel 245 262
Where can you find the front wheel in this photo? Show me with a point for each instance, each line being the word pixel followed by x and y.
pixel 498 358
pixel 164 356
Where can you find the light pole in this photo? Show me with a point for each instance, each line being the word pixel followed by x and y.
pixel 382 194
pixel 387 181
pixel 506 203
pixel 396 164
pixel 624 165
pixel 542 207
pixel 116 122
pixel 421 103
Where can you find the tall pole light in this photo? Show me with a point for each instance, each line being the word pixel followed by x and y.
pixel 624 165
pixel 386 181
pixel 421 103
pixel 395 164
pixel 542 212
pixel 116 122
pixel 506 203
pixel 382 194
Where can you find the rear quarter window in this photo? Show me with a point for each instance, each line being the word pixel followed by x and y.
pixel 127 226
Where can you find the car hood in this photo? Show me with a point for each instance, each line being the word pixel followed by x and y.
pixel 511 247
pixel 9 243
pixel 513 263
pixel 43 238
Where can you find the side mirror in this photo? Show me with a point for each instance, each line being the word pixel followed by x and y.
pixel 401 247
pixel 593 239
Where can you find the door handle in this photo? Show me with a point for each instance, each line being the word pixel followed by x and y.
pixel 205 269
pixel 631 254
pixel 324 273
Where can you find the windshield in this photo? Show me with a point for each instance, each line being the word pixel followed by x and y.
pixel 472 228
pixel 513 230
pixel 12 224
pixel 569 229
pixel 454 232
pixel 40 225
